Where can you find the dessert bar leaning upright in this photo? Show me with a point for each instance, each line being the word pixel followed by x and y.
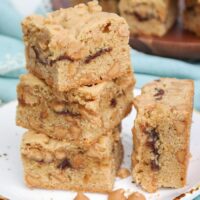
pixel 192 16
pixel 77 46
pixel 161 134
pixel 80 115
pixel 149 17
pixel 55 164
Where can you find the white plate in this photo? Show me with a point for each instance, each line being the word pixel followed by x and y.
pixel 11 172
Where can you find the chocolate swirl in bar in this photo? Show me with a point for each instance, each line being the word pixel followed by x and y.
pixel 159 93
pixel 87 60
pixel 97 54
pixel 152 139
pixel 64 164
pixel 140 17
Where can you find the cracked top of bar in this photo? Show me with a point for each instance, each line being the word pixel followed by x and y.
pixel 65 30
pixel 173 93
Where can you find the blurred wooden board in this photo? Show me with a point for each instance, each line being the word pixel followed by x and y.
pixel 178 43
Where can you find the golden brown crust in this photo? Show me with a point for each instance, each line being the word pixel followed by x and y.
pixel 67 47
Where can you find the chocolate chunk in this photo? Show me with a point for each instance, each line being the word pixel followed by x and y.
pixel 154 166
pixel 97 54
pixel 51 62
pixel 153 135
pixel 106 29
pixel 141 18
pixel 151 145
pixel 152 139
pixel 38 58
pixel 63 57
pixel 91 85
pixel 159 94
pixel 113 102
pixel 88 59
pixel 66 112
pixel 64 164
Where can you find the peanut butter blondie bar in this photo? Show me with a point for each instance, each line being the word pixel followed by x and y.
pixel 55 164
pixel 149 17
pixel 192 16
pixel 80 115
pixel 77 46
pixel 161 134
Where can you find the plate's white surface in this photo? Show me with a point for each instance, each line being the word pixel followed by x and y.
pixel 11 172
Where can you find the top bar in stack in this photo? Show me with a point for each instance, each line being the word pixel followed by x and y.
pixel 149 17
pixel 77 46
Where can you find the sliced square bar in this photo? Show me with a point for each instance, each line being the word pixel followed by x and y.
pixel 77 46
pixel 80 115
pixel 149 17
pixel 192 16
pixel 55 164
pixel 161 134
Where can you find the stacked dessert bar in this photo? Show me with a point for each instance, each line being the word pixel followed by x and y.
pixel 72 101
